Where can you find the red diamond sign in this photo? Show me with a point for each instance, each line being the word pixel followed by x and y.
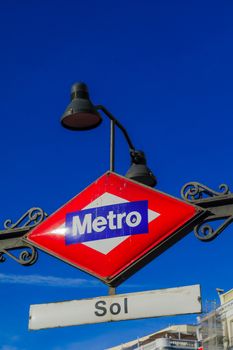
pixel 114 227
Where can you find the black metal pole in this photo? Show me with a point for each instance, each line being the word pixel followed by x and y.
pixel 112 145
pixel 118 124
pixel 115 122
pixel 111 290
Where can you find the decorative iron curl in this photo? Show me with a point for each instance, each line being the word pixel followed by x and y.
pixel 25 258
pixel 2 258
pixel 193 191
pixel 206 233
pixel 12 243
pixel 30 219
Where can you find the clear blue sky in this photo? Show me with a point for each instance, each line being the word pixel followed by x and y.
pixel 164 68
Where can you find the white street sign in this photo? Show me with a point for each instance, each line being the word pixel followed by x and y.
pixel 155 303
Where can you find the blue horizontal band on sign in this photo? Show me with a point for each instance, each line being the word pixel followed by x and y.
pixel 105 222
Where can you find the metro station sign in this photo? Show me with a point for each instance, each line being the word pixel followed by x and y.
pixel 114 227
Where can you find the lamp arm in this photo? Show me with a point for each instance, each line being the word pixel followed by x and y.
pixel 118 124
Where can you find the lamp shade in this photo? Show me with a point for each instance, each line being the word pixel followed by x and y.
pixel 139 171
pixel 80 113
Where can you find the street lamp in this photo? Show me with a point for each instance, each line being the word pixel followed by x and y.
pixel 81 114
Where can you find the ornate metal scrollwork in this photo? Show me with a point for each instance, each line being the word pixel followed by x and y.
pixel 28 220
pixel 11 238
pixel 218 206
pixel 26 257
pixel 206 233
pixel 193 191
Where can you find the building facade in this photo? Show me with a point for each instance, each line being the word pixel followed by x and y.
pixel 180 337
pixel 215 329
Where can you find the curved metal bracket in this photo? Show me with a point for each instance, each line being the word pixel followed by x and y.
pixel 195 191
pixel 28 256
pixel 11 238
pixel 218 204
pixel 206 233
